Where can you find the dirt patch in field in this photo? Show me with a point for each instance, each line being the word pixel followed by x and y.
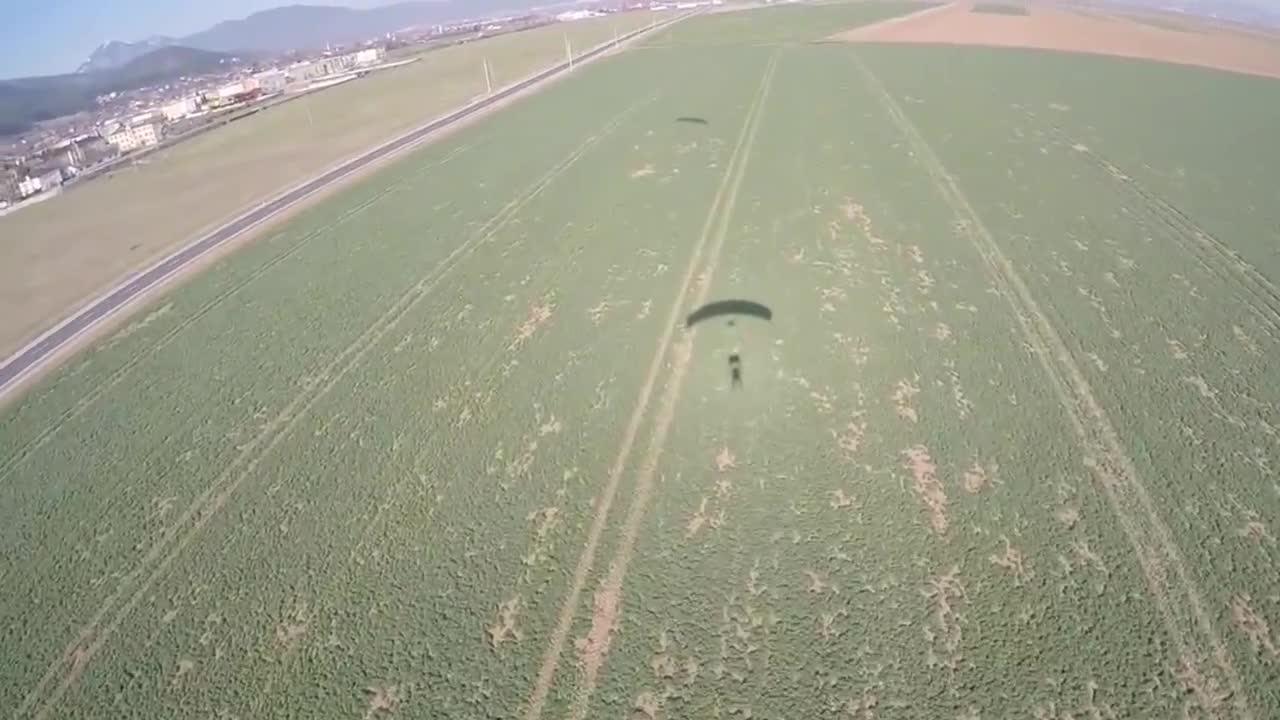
pixel 383 699
pixel 928 487
pixel 1052 29
pixel 725 460
pixel 503 628
pixel 1253 626
pixel 604 616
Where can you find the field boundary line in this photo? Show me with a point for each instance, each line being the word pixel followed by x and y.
pixel 890 22
pixel 90 639
pixel 608 604
pixel 586 559
pixel 121 373
pixel 1104 454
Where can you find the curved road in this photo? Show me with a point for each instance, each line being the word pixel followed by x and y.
pixel 40 351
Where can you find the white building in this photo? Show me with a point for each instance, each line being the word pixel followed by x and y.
pixel 28 186
pixel 271 81
pixel 50 180
pixel 130 138
pixel 235 88
pixel 180 109
pixel 368 56
pixel 572 15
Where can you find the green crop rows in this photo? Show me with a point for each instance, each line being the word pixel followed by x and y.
pixel 442 447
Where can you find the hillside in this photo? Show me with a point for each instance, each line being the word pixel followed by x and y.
pixel 295 27
pixel 113 54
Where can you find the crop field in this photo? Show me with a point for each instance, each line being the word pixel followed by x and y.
pixel 444 447
pixel 56 255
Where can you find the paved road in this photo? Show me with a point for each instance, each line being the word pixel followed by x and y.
pixel 35 355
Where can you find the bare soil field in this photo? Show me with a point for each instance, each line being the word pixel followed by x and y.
pixel 1051 29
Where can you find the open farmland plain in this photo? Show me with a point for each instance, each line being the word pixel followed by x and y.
pixel 60 253
pixel 442 446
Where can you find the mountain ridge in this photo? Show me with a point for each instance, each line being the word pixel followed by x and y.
pixel 308 27
pixel 26 101
pixel 114 53
pixel 301 26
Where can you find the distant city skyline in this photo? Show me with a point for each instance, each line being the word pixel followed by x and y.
pixel 51 38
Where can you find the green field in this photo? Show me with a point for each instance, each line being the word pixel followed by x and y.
pixel 443 447
pixel 58 254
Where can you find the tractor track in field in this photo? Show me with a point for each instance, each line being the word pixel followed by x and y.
pixel 91 638
pixel 486 369
pixel 586 560
pixel 387 502
pixel 391 499
pixel 609 604
pixel 395 495
pixel 164 341
pixel 1258 293
pixel 1204 664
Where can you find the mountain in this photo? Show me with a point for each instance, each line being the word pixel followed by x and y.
pixel 111 55
pixel 117 66
pixel 26 101
pixel 167 63
pixel 302 27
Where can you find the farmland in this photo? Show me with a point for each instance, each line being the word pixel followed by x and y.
pixel 58 254
pixel 442 447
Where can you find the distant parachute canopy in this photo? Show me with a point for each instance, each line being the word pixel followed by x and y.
pixel 728 307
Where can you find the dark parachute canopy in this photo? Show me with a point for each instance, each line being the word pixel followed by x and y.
pixel 722 308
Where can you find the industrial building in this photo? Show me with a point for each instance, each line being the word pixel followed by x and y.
pixel 50 180
pixel 336 65
pixel 271 81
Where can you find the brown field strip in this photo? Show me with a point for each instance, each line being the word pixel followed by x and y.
pixel 1051 29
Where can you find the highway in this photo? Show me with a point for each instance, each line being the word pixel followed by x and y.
pixel 43 349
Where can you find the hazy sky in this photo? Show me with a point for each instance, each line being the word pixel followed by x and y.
pixel 45 37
